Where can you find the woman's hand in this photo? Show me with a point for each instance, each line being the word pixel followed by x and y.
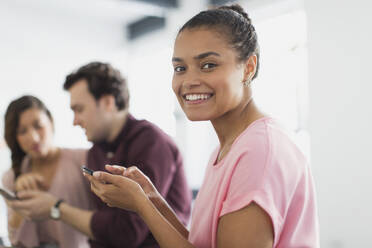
pixel 136 175
pixel 33 204
pixel 130 189
pixel 117 190
pixel 30 181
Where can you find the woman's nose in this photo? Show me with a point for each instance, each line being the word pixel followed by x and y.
pixel 191 81
pixel 34 136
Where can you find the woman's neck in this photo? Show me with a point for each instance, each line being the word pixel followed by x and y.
pixel 50 157
pixel 229 126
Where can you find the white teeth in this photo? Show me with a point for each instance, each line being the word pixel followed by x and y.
pixel 194 97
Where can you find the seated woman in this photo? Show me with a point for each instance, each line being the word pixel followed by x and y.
pixel 37 164
pixel 258 190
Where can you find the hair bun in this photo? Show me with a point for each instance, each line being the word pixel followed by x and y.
pixel 238 9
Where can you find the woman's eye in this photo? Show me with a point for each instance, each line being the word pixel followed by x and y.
pixel 21 131
pixel 179 68
pixel 38 125
pixel 208 66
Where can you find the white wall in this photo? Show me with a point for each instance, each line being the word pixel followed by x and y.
pixel 39 44
pixel 340 83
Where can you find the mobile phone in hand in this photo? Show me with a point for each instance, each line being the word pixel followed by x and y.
pixel 87 170
pixel 10 196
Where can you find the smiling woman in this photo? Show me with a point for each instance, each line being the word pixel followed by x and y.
pixel 258 190
pixel 210 70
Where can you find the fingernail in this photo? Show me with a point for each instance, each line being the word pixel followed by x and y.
pixel 97 174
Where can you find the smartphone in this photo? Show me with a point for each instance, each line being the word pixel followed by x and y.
pixel 8 195
pixel 87 170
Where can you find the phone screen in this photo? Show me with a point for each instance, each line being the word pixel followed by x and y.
pixel 8 195
pixel 87 170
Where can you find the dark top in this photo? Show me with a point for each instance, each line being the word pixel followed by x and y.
pixel 144 145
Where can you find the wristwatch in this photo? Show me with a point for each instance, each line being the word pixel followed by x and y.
pixel 55 213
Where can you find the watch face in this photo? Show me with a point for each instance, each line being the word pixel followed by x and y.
pixel 54 213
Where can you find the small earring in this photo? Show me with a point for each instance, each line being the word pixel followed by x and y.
pixel 247 82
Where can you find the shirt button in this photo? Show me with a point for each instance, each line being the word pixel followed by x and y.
pixel 110 155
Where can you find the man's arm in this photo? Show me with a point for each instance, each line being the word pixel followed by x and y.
pixel 105 226
pixel 77 218
pixel 36 205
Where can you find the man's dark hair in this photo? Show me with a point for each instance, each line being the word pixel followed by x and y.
pixel 102 79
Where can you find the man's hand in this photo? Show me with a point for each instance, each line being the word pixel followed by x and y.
pixel 30 181
pixel 33 205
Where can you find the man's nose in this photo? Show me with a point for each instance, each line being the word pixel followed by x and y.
pixel 76 121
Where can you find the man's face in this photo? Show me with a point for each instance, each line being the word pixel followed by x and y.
pixel 89 113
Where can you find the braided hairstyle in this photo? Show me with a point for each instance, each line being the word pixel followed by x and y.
pixel 233 22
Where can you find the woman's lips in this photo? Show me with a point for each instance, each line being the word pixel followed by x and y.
pixel 36 148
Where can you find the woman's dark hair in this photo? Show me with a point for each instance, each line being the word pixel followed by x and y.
pixel 233 22
pixel 102 79
pixel 12 116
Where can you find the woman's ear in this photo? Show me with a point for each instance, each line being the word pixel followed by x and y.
pixel 250 68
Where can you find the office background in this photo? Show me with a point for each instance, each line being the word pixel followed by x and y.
pixel 314 77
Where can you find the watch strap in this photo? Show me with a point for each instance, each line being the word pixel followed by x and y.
pixel 54 211
pixel 58 203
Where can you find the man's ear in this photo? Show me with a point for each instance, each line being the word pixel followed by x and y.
pixel 250 67
pixel 107 102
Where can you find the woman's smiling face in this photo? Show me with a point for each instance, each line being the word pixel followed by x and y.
pixel 207 78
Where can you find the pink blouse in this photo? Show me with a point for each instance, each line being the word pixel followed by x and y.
pixel 264 166
pixel 68 184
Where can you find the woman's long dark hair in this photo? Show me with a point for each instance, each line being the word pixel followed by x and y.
pixel 12 115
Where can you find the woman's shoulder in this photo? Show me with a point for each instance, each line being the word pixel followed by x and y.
pixel 73 151
pixel 255 138
pixel 268 141
pixel 265 133
pixel 74 155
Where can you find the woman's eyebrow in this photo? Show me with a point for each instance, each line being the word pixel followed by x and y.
pixel 175 59
pixel 197 57
pixel 206 54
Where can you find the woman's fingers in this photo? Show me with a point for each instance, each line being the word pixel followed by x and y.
pixel 134 173
pixel 103 190
pixel 24 183
pixel 40 181
pixel 106 177
pixel 115 169
pixel 30 181
pixel 116 190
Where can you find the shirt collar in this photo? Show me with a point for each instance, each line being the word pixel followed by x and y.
pixel 112 146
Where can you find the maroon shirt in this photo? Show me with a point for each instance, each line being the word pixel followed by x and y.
pixel 144 145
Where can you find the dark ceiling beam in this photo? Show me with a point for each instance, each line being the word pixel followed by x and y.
pixel 220 2
pixel 162 3
pixel 144 26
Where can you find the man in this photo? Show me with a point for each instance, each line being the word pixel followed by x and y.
pixel 99 100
